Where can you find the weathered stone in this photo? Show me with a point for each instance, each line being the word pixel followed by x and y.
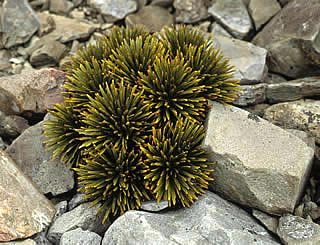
pixel 270 222
pixel 303 115
pixel 210 220
pixel 41 238
pixel 80 217
pixel 77 200
pixel 310 141
pixel 263 10
pixel 5 60
pixel 233 15
pixel 272 78
pixel 34 91
pixel 61 208
pixel 18 22
pixel 293 90
pixel 23 242
pixel 113 10
pixel 48 51
pixel 294 230
pixel 80 237
pixel 60 7
pixel 162 3
pixel 29 152
pixel 190 11
pixel 154 206
pixel 65 29
pixel 153 18
pixel 218 30
pixel 11 126
pixel 292 39
pixel 256 158
pixel 257 109
pixel 251 95
pixel 248 59
pixel 24 211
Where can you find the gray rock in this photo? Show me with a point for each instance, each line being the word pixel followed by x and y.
pixel 65 29
pixel 41 238
pixel 80 217
pixel 18 22
pixel 270 222
pixel 162 3
pixel 294 230
pixel 113 10
pixel 23 242
pixel 153 18
pixel 210 220
pixel 251 95
pixel 233 15
pixel 154 206
pixel 310 141
pixel 3 145
pixel 60 7
pixel 218 30
pixel 293 90
pixel 77 200
pixel 5 60
pixel 302 114
pixel 48 51
pixel 29 152
pixel 257 109
pixel 190 11
pixel 248 59
pixel 24 211
pixel 291 38
pixel 256 158
pixel 262 11
pixel 272 78
pixel 11 126
pixel 80 237
pixel 61 208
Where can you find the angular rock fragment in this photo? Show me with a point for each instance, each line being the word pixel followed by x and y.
pixel 190 11
pixel 256 158
pixel 251 95
pixel 79 236
pixel 24 211
pixel 270 222
pixel 60 7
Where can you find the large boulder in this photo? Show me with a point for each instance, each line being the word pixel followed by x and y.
pixel 292 39
pixel 24 211
pixel 256 159
pixel 210 220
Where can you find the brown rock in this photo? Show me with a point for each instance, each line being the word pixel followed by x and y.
pixel 24 211
pixel 292 39
pixel 60 7
pixel 190 11
pixel 34 91
pixel 12 125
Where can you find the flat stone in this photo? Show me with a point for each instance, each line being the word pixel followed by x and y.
pixel 23 242
pixel 114 10
pixel 190 11
pixel 256 158
pixel 293 90
pixel 60 7
pixel 153 18
pixel 294 230
pixel 232 15
pixel 218 30
pixel 12 126
pixel 251 95
pixel 210 220
pixel 262 11
pixel 18 22
pixel 47 51
pixel 154 206
pixel 34 91
pixel 302 114
pixel 80 217
pixel 272 78
pixel 248 59
pixel 24 210
pixel 66 29
pixel 292 39
pixel 270 222
pixel 30 153
pixel 80 237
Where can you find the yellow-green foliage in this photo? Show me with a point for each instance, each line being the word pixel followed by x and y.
pixel 132 121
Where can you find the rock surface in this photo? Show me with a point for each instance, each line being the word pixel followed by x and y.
pixel 251 95
pixel 270 222
pixel 256 157
pixel 80 237
pixel 190 11
pixel 292 39
pixel 34 91
pixel 23 242
pixel 24 210
pixel 29 152
pixel 12 126
pixel 303 115
pixel 154 206
pixel 233 15
pixel 18 22
pixel 210 220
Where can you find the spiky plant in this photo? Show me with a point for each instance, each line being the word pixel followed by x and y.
pixel 113 179
pixel 216 73
pixel 172 90
pixel 176 167
pixel 116 115
pixel 63 135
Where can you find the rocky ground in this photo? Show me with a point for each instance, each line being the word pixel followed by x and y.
pixel 267 145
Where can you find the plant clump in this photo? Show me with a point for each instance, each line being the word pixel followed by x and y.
pixel 133 118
